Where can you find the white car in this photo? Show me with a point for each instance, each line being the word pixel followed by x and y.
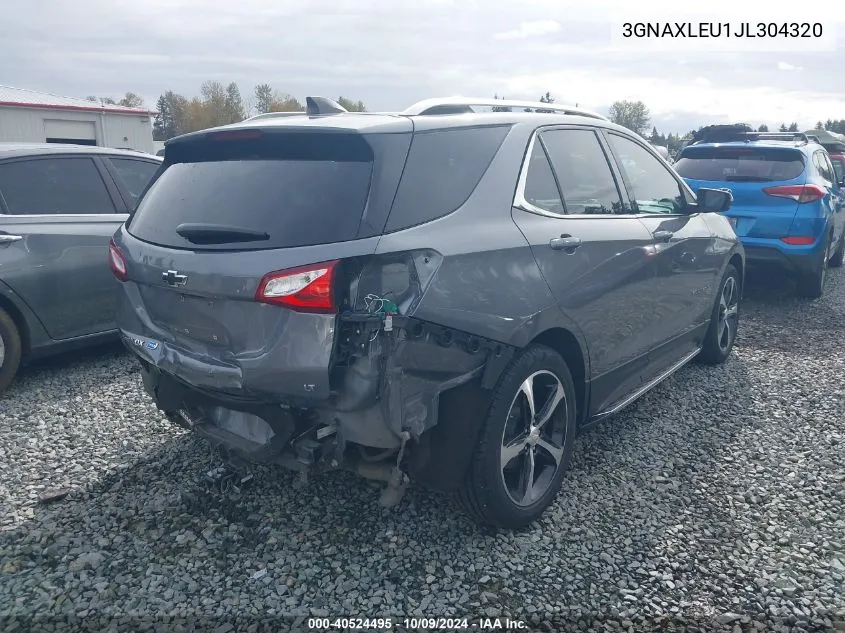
pixel 664 152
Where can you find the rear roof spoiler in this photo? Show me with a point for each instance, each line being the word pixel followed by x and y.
pixel 796 137
pixel 274 115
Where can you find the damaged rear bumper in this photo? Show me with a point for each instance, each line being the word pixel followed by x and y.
pixel 245 430
pixel 386 389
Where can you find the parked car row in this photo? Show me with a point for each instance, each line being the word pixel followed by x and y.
pixel 366 291
pixel 789 198
pixel 59 205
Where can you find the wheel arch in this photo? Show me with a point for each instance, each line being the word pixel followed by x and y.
pixel 17 316
pixel 738 262
pixel 565 343
pixel 463 409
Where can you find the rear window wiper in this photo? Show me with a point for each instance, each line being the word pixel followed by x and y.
pixel 219 234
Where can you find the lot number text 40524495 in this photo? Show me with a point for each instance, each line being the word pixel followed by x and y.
pixel 415 624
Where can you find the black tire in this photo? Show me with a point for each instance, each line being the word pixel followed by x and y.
pixel 10 344
pixel 811 282
pixel 724 320
pixel 487 493
pixel 839 255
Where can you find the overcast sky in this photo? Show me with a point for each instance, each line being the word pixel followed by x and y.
pixel 390 53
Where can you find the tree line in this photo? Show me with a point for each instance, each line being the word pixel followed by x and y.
pixel 635 116
pixel 129 100
pixel 831 125
pixel 216 104
pixel 219 104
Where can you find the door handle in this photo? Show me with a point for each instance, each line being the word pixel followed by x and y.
pixel 663 236
pixel 5 238
pixel 565 242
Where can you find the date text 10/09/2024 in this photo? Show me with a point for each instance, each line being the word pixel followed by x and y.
pixel 415 624
pixel 745 30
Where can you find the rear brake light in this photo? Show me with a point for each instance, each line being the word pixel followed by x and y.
pixel 117 262
pixel 799 193
pixel 304 289
pixel 798 240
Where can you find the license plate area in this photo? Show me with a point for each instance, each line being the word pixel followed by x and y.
pixel 186 315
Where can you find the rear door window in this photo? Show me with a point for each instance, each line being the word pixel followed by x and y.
pixel 135 174
pixel 61 185
pixel 299 189
pixel 443 169
pixel 582 170
pixel 740 164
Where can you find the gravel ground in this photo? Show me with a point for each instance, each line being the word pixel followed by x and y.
pixel 717 501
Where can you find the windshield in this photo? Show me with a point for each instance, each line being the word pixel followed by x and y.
pixel 740 164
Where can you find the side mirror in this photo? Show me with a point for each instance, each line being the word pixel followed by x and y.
pixel 714 200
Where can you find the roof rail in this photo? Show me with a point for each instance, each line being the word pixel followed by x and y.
pixel 458 105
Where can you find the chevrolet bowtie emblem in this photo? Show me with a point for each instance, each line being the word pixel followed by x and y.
pixel 173 278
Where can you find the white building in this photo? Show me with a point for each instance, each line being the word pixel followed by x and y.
pixel 36 117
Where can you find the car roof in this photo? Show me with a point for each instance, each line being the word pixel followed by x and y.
pixel 419 117
pixel 359 122
pixel 18 150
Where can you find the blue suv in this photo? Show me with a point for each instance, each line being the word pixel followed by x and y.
pixel 788 203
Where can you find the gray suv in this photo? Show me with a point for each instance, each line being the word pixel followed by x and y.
pixel 445 295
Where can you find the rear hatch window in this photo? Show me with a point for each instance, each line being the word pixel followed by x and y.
pixel 249 190
pixel 740 164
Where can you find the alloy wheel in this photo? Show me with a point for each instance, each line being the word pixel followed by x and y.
pixel 533 438
pixel 728 313
pixel 2 351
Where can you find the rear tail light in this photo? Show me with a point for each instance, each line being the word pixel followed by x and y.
pixel 117 262
pixel 799 193
pixel 798 240
pixel 304 289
